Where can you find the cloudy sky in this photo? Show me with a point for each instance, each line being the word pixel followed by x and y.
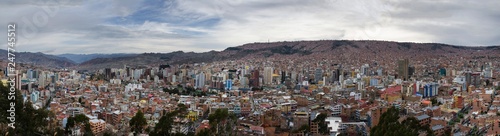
pixel 137 26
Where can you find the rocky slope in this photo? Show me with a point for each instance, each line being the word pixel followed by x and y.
pixel 303 50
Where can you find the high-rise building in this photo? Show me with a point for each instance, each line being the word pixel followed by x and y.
pixel 403 69
pixel 431 89
pixel 229 84
pixel 475 79
pixel 468 78
pixel 30 74
pixel 283 77
pixel 218 80
pixel 488 72
pixel 318 75
pixel 254 79
pixel 41 80
pixel 335 76
pixel 268 75
pixel 200 80
pixel 107 73
pixel 53 79
pixel 458 102
pixel 137 74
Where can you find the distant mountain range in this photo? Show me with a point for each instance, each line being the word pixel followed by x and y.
pixel 39 59
pixel 79 58
pixel 332 49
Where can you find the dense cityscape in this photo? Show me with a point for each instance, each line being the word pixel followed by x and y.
pixel 269 96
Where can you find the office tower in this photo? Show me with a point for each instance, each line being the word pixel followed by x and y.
pixel 318 75
pixel 30 73
pixel 468 77
pixel 403 69
pixel 137 74
pixel 18 80
pixel 283 77
pixel 200 80
pixel 341 80
pixel 128 71
pixel 41 80
pixel 35 96
pixel 218 81
pixel 268 75
pixel 229 84
pixel 335 76
pixel 35 74
pixel 475 79
pixel 147 72
pixel 53 79
pixel 488 72
pixel 107 73
pixel 431 89
pixel 254 79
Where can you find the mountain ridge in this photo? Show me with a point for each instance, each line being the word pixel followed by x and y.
pixel 79 58
pixel 39 59
pixel 362 50
pixel 298 50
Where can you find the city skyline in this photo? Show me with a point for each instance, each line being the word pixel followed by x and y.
pixel 84 27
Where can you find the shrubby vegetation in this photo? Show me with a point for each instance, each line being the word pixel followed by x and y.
pixel 390 126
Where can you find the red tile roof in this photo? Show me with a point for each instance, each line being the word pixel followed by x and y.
pixel 392 90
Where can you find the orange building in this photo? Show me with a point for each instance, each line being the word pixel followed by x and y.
pixel 458 102
pixel 97 125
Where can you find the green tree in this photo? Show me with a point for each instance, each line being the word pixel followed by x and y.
pixel 222 122
pixel 81 118
pixel 323 127
pixel 390 126
pixel 171 91
pixel 88 130
pixel 28 120
pixel 138 122
pixel 204 132
pixel 302 129
pixel 164 126
pixel 59 132
pixel 80 121
pixel 69 124
pixel 107 134
pixel 166 122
